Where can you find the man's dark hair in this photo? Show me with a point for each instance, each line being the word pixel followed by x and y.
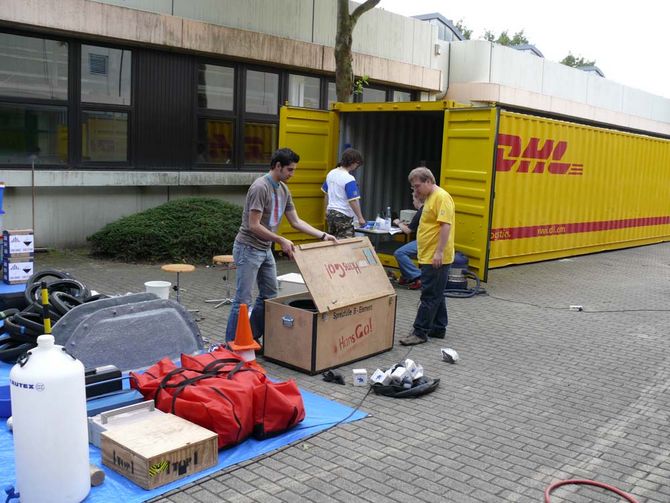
pixel 350 156
pixel 284 156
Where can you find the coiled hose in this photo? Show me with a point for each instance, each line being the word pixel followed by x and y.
pixel 22 328
pixel 464 293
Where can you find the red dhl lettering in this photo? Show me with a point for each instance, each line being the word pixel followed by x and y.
pixel 538 156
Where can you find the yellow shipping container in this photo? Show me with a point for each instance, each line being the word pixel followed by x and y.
pixel 565 189
pixel 526 188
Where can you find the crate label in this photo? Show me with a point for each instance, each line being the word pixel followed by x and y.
pixel 17 243
pixel 123 463
pixel 17 271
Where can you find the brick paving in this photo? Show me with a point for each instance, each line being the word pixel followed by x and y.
pixel 540 394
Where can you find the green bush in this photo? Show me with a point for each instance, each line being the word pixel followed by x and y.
pixel 191 230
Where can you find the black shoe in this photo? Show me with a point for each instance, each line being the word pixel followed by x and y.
pixel 412 340
pixel 438 334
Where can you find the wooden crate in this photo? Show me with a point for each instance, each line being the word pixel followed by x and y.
pixel 355 309
pixel 159 450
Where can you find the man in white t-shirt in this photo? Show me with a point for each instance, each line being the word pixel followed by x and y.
pixel 343 196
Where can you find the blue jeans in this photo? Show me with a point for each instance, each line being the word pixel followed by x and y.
pixel 404 256
pixel 431 317
pixel 252 265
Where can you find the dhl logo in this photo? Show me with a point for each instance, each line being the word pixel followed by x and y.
pixel 538 156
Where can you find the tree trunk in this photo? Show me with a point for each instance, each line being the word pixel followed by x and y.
pixel 344 74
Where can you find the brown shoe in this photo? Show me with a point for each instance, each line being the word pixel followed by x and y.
pixel 412 340
pixel 415 285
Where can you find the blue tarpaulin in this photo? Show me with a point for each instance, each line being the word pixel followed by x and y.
pixel 321 414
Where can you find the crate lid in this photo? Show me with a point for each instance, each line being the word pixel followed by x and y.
pixel 341 274
pixel 7 232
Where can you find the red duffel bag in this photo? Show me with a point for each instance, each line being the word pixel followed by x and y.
pixel 222 393
pixel 277 407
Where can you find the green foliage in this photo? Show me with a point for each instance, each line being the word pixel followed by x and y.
pixel 465 31
pixel 574 62
pixel 504 39
pixel 359 83
pixel 190 230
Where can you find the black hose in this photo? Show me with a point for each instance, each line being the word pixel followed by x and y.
pixel 62 302
pixel 23 327
pixel 464 293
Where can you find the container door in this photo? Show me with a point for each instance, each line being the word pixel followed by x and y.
pixel 467 174
pixel 312 135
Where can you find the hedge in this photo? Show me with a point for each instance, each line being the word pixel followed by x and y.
pixel 183 230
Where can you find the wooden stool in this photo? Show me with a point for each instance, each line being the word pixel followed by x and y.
pixel 228 264
pixel 178 268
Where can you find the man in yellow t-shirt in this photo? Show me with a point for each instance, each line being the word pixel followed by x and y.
pixel 435 242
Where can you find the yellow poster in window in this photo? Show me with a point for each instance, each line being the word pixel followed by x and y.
pixel 105 139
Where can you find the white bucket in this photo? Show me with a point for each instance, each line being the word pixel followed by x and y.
pixel 160 288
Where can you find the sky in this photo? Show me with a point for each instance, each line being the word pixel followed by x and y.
pixel 628 40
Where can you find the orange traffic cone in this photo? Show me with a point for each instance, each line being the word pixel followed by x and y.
pixel 244 344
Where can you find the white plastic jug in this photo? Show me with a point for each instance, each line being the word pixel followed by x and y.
pixel 48 397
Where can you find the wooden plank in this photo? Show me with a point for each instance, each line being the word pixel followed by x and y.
pixel 289 342
pixel 355 332
pixel 339 274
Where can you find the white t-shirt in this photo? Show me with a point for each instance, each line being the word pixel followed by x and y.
pixel 341 187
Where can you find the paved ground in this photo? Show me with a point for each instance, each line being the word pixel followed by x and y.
pixel 540 394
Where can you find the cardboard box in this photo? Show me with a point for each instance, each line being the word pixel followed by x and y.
pixel 18 242
pixel 352 315
pixel 158 450
pixel 17 269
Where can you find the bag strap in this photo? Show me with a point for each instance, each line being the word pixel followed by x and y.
pixel 236 369
pixel 214 365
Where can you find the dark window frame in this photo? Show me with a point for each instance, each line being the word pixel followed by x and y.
pixel 238 115
pixel 211 113
pixel 245 116
pixel 91 106
pixel 321 79
pixel 13 100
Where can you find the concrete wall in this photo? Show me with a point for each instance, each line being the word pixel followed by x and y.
pixel 71 205
pixel 378 33
pixel 480 71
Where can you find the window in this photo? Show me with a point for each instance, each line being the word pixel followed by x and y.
pixel 262 92
pixel 105 75
pixel 104 136
pixel 216 119
pixel 30 132
pixel 332 94
pixel 33 67
pixel 304 91
pixel 105 96
pixel 215 141
pixel 371 95
pixel 216 87
pixel 402 96
pixel 260 142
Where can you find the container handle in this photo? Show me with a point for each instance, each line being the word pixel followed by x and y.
pixel 287 320
pixel 137 407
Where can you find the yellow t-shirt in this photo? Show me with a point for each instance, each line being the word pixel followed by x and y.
pixel 437 209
